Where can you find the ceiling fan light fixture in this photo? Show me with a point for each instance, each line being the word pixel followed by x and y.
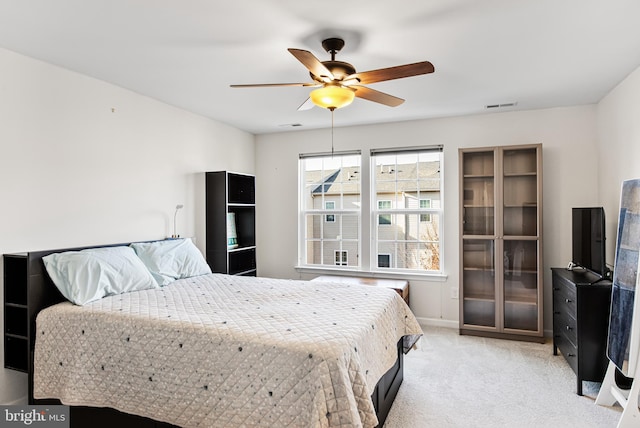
pixel 332 97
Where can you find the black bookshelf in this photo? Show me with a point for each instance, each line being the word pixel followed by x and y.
pixel 231 193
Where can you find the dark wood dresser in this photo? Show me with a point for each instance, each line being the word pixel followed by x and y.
pixel 581 322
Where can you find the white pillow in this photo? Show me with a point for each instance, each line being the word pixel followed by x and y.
pixel 91 274
pixel 171 259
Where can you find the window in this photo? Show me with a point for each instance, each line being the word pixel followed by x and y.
pixel 330 205
pixel 411 180
pixel 341 258
pixel 425 203
pixel 384 260
pixel 403 206
pixel 330 209
pixel 384 218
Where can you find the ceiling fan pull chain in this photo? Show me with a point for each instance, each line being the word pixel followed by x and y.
pixel 332 110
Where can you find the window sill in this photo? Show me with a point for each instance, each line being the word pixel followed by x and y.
pixel 325 270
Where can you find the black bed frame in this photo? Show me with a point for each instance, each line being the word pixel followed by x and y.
pixel 43 293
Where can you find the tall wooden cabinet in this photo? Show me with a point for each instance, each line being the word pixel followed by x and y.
pixel 501 279
pixel 230 205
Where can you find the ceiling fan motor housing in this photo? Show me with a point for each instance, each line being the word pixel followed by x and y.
pixel 339 69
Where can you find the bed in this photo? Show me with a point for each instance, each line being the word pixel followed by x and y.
pixel 216 350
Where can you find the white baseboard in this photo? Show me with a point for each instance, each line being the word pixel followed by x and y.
pixel 436 322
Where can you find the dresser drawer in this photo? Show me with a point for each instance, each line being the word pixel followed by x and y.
pixel 564 297
pixel 568 350
pixel 565 325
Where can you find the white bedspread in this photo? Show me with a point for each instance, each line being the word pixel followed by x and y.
pixel 223 351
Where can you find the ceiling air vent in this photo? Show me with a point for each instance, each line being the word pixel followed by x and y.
pixel 288 125
pixel 502 105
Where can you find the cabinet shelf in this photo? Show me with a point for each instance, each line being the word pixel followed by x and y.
pixel 521 174
pixel 240 249
pixel 478 176
pixel 15 305
pixel 479 268
pixel 488 298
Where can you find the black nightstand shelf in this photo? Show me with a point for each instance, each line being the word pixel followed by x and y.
pixel 16 313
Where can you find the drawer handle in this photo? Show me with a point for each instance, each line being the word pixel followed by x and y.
pixel 569 328
pixel 571 355
pixel 556 313
pixel 568 300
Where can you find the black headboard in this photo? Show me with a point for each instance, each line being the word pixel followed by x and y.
pixel 42 293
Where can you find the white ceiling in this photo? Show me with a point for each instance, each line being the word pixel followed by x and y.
pixel 538 53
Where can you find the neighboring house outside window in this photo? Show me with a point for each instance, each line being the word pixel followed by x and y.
pixel 405 208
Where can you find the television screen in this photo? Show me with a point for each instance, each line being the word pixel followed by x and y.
pixel 588 239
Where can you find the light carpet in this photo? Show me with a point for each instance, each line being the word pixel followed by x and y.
pixel 467 381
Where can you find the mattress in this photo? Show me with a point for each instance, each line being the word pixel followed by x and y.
pixel 221 351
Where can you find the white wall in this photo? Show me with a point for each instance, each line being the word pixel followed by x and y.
pixel 570 164
pixel 83 162
pixel 618 149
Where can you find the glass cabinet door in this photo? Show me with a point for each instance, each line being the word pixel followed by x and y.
pixel 520 284
pixel 478 253
pixel 479 282
pixel 478 193
pixel 520 188
pixel 520 246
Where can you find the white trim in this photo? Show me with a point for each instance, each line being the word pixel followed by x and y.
pixel 382 273
pixel 438 322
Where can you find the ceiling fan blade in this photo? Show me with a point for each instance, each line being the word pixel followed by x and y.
pixel 268 85
pixel 376 96
pixel 313 64
pixel 398 72
pixel 307 105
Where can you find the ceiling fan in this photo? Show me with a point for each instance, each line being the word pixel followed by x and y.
pixel 338 81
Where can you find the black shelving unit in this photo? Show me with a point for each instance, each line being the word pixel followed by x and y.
pixel 16 315
pixel 229 192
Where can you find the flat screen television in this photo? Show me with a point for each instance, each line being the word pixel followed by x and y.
pixel 588 239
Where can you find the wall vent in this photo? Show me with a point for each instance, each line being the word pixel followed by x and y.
pixel 501 105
